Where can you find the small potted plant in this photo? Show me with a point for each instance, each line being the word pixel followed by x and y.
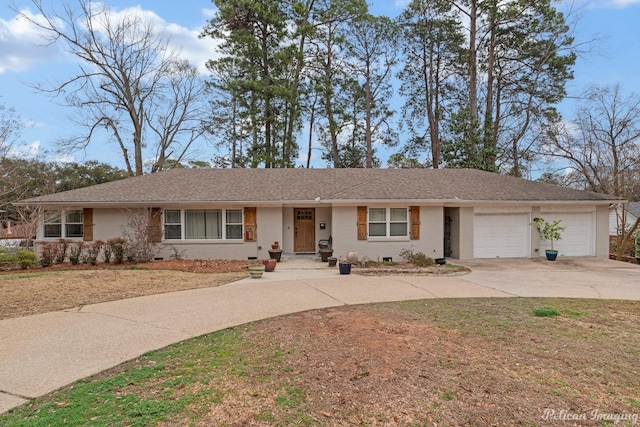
pixel 549 231
pixel 275 252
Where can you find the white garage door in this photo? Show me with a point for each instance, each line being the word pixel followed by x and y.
pixel 501 235
pixel 578 239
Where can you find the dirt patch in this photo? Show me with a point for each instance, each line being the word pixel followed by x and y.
pixel 468 362
pixel 387 365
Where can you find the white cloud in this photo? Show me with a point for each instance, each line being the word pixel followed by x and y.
pixel 22 45
pixel 197 51
pixel 603 4
pixel 32 124
pixel 209 13
pixel 28 151
pixel 64 158
pixel 625 3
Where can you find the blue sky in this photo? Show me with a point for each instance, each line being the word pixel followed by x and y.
pixel 615 24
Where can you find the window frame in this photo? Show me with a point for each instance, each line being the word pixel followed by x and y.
pixel 224 224
pixel 79 225
pixel 388 222
pixel 59 219
pixel 228 224
pixel 52 218
pixel 166 223
pixel 377 222
pixel 405 221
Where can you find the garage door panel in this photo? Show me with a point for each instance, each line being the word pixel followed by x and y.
pixel 501 235
pixel 578 238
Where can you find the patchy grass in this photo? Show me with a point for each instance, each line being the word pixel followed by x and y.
pixel 21 276
pixel 24 294
pixel 545 312
pixel 469 362
pixel 456 267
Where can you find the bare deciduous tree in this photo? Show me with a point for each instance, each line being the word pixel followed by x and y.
pixel 176 116
pixel 10 188
pixel 601 147
pixel 10 126
pixel 131 82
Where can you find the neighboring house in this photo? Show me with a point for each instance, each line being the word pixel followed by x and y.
pixel 630 211
pixel 239 213
pixel 14 233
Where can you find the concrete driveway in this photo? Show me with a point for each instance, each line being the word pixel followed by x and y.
pixel 41 353
pixel 565 277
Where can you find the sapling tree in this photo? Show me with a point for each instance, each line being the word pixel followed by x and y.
pixel 549 230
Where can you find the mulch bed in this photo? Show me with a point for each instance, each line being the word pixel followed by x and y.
pixel 381 269
pixel 190 266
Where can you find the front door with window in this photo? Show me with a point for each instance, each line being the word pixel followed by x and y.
pixel 304 230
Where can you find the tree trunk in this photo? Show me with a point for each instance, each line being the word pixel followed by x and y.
pixel 254 129
pixel 328 105
pixel 368 114
pixel 431 101
pixel 234 132
pixel 473 64
pixel 488 136
pixel 623 242
pixel 367 132
pixel 267 133
pixel 294 111
pixel 311 123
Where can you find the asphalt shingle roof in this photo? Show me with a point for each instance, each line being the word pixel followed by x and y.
pixel 634 209
pixel 288 185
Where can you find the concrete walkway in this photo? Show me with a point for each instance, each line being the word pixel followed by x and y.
pixel 41 353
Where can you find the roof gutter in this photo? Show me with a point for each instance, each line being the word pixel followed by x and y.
pixel 461 203
pixel 318 201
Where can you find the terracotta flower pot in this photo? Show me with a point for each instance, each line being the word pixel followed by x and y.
pixel 325 254
pixel 270 264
